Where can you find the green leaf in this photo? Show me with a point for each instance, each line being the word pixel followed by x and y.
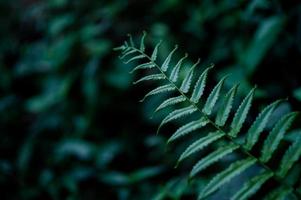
pixel 142 46
pixel 200 144
pixel 120 48
pixel 200 86
pixel 212 158
pixel 276 135
pixel 155 52
pixel 148 65
pixel 160 89
pixel 264 38
pixel 145 173
pixel 134 58
pixel 175 71
pixel 214 95
pixel 187 128
pixel 290 157
pixel 128 52
pixel 187 81
pixel 259 125
pixel 170 101
pixel 177 114
pixel 166 62
pixel 252 186
pixel 278 194
pixel 224 110
pixel 131 40
pixel 297 93
pixel 241 114
pixel 225 176
pixel 150 77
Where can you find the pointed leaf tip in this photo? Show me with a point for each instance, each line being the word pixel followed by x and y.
pixel 241 114
pixel 188 78
pixel 200 86
pixel 259 124
pixel 213 97
pixel 166 62
pixel 175 71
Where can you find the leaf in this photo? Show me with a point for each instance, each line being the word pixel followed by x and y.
pixel 171 101
pixel 241 114
pixel 212 158
pixel 278 194
pixel 148 65
pixel 115 178
pixel 175 71
pixel 177 114
pixel 145 173
pixel 224 110
pixel 200 86
pixel 264 38
pixel 187 81
pixel 135 58
pixel 160 89
pixel 142 46
pixel 187 128
pixel 226 175
pixel 128 52
pixel 155 52
pixel 290 157
pixel 252 186
pixel 297 93
pixel 259 125
pixel 276 135
pixel 131 40
pixel 150 77
pixel 211 100
pixel 120 48
pixel 200 144
pixel 166 62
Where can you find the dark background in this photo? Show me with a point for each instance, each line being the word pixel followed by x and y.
pixel 70 124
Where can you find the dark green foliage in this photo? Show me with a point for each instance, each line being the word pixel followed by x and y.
pixel 70 123
pixel 223 131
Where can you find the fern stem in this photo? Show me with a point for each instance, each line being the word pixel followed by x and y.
pixel 231 139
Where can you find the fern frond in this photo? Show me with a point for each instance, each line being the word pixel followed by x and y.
pixel 131 40
pixel 252 186
pixel 241 114
pixel 224 110
pixel 212 158
pixel 152 77
pixel 225 176
pixel 187 80
pixel 187 128
pixel 170 101
pixel 142 45
pixel 200 86
pixel 175 71
pixel 134 58
pixel 276 135
pixel 131 53
pixel 290 157
pixel 127 53
pixel 158 90
pixel 200 144
pixel 177 114
pixel 259 124
pixel 165 64
pixel 211 100
pixel 155 52
pixel 148 65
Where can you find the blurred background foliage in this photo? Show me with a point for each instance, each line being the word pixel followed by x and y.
pixel 70 124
